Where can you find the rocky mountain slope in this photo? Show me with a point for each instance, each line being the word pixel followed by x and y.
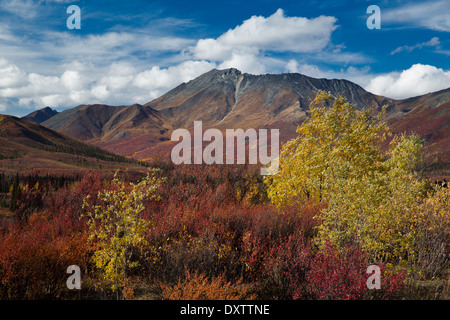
pixel 230 99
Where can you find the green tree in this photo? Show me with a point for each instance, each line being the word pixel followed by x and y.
pixel 117 228
pixel 337 158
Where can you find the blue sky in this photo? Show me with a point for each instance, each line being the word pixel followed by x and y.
pixel 134 51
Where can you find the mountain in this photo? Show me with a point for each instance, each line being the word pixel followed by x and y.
pixel 220 98
pixel 41 115
pixel 429 116
pixel 124 130
pixel 230 99
pixel 25 146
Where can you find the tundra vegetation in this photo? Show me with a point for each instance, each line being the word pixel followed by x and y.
pixel 347 195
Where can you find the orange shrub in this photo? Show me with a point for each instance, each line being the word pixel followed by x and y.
pixel 200 287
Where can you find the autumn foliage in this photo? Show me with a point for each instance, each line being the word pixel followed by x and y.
pixel 224 232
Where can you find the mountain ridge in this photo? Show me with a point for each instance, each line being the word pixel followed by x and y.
pixel 237 92
pixel 231 99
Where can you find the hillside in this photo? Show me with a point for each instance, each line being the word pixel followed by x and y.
pixel 428 116
pixel 26 146
pixel 123 130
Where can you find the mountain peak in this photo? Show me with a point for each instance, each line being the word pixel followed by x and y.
pixel 232 72
pixel 40 115
pixel 216 76
pixel 48 110
pixel 223 72
pixel 231 98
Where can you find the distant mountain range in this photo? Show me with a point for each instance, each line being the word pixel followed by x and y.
pixel 230 99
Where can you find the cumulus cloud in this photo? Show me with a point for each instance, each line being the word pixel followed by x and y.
pixel 246 62
pixel 73 80
pixel 76 69
pixel 276 33
pixel 10 75
pixel 243 47
pixel 118 83
pixel 125 65
pixel 361 76
pixel 293 66
pixel 159 78
pixel 417 80
pixel 47 50
pixel 63 69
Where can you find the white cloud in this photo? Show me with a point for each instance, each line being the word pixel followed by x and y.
pixel 433 42
pixel 119 76
pixel 360 76
pixel 158 80
pixel 25 9
pixel 245 62
pixel 5 104
pixel 118 83
pixel 276 33
pixel 100 92
pixel 306 69
pixel 243 47
pixel 434 15
pixel 48 50
pixel 63 69
pixel 10 75
pixel 417 80
pixel 73 80
pixel 292 66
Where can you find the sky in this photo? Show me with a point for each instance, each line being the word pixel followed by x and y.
pixel 132 51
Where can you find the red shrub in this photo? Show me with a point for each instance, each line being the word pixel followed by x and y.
pixel 392 283
pixel 287 263
pixel 30 199
pixel 211 220
pixel 34 255
pixel 68 202
pixel 34 258
pixel 336 274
